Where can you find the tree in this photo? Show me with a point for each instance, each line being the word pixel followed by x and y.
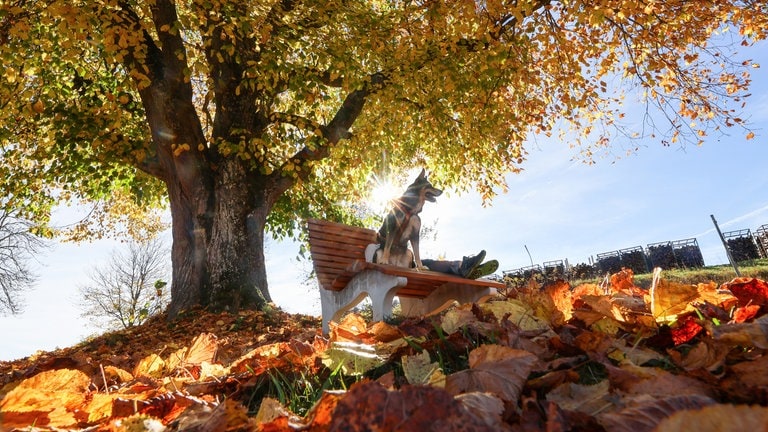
pixel 131 286
pixel 17 247
pixel 251 115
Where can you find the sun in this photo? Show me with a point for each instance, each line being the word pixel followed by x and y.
pixel 382 194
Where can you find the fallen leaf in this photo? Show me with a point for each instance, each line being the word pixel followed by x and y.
pixel 670 299
pixel 588 399
pixel 49 398
pixel 655 382
pixel 457 318
pixel 262 358
pixel 745 313
pixel 117 374
pixel 202 349
pixel 717 418
pixel 150 366
pixel 645 416
pixel 584 290
pixel 745 380
pixel 494 369
pixel 352 328
pixel 419 369
pixel 749 291
pixel 484 406
pixel 624 281
pixel 134 423
pixel 321 415
pixel 685 330
pixel 520 314
pixel 562 299
pixel 753 334
pixel 705 355
pixel 383 332
pixel 352 358
pixel 270 410
pixel 370 407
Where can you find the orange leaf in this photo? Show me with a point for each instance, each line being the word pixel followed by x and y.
pixel 749 291
pixel 49 398
pixel 669 299
pixel 745 313
pixel 352 328
pixel 203 349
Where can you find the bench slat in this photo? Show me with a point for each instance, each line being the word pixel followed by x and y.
pixel 337 253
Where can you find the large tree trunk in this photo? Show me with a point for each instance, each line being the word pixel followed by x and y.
pixel 218 239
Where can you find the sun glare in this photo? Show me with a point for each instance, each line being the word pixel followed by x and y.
pixel 382 193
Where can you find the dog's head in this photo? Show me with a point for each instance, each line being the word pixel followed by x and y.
pixel 418 192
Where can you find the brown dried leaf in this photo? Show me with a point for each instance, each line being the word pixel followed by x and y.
pixel 520 314
pixel 646 415
pixel 369 406
pixel 495 369
pixel 655 382
pixel 383 332
pixel 588 399
pixel 484 406
pixel 703 355
pixel 457 318
pixel 624 281
pixel 419 369
pixel 718 418
pixel 754 334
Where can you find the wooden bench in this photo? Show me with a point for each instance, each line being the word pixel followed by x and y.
pixel 346 278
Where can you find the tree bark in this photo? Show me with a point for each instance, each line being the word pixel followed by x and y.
pixel 218 240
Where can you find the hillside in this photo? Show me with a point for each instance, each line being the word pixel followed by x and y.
pixel 615 357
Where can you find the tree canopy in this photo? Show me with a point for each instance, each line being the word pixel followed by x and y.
pixel 254 113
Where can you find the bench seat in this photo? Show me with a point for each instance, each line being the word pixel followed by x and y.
pixel 345 278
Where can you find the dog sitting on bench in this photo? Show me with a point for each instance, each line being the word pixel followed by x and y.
pixel 403 225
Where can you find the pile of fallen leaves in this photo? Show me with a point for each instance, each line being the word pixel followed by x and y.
pixel 611 357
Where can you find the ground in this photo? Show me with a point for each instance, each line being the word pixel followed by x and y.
pixel 612 357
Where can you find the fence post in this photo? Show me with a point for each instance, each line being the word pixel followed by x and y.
pixel 725 245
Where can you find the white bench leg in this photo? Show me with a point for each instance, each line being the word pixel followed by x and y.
pixel 444 297
pixel 380 287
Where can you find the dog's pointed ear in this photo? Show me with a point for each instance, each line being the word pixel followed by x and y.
pixel 422 175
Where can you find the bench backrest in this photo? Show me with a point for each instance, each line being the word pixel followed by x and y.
pixel 335 247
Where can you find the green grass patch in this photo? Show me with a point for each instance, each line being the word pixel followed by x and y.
pixel 719 274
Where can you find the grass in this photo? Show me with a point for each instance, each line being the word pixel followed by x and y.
pixel 719 274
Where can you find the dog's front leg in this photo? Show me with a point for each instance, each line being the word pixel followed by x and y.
pixel 386 250
pixel 413 237
pixel 416 255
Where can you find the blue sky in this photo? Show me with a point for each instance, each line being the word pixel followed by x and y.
pixel 557 207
